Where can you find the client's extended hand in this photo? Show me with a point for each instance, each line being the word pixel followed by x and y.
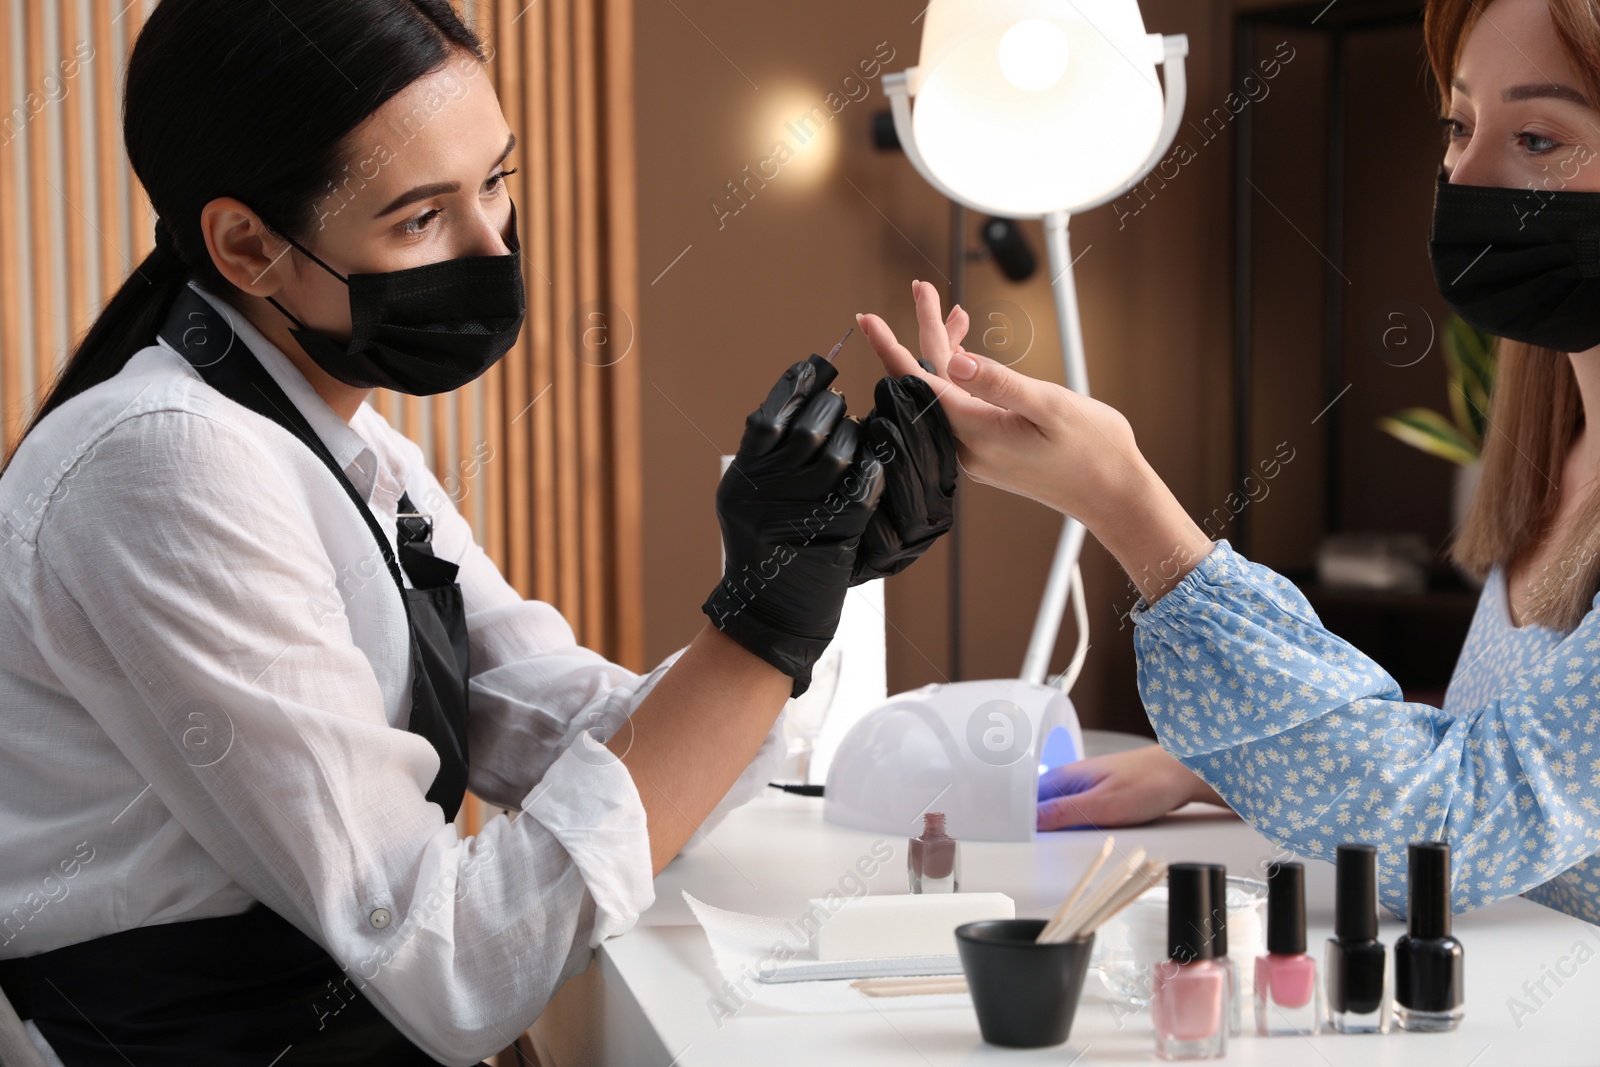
pixel 1027 436
pixel 1120 789
pixel 1039 440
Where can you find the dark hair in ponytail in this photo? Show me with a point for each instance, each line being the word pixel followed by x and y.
pixel 251 99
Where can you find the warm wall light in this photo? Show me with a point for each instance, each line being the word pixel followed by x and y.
pixel 801 120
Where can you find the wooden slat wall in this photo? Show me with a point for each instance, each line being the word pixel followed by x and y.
pixel 542 454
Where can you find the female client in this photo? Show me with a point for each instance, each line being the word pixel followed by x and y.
pixel 1254 702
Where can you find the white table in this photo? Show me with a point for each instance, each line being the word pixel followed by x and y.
pixel 645 1001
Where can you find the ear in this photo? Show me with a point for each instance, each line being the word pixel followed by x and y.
pixel 245 251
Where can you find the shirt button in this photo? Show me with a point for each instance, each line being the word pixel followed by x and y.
pixel 379 918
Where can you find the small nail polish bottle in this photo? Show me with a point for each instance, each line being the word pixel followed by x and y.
pixel 1219 935
pixel 1355 965
pixel 1288 995
pixel 1189 1002
pixel 1428 982
pixel 933 862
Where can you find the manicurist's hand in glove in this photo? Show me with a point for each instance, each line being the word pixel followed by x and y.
pixel 814 502
pixel 1078 456
pixel 793 506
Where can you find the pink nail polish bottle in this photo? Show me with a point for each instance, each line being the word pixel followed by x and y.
pixel 1288 995
pixel 1219 934
pixel 1189 1006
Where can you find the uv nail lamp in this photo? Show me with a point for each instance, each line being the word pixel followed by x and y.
pixel 973 750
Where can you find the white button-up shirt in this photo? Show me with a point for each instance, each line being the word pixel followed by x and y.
pixel 204 686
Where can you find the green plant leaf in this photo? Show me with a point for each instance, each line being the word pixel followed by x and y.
pixel 1470 358
pixel 1432 433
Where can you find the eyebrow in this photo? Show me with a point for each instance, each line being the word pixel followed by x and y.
pixel 423 192
pixel 1544 92
pixel 1531 91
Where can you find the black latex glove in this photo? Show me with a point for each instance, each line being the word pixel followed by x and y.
pixel 793 506
pixel 907 431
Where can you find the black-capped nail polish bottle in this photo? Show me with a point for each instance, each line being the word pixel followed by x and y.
pixel 1428 986
pixel 1288 991
pixel 1355 964
pixel 1189 994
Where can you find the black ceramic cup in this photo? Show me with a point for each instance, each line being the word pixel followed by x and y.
pixel 1025 993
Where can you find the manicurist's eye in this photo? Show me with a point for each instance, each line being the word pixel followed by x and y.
pixel 418 226
pixel 1454 128
pixel 497 182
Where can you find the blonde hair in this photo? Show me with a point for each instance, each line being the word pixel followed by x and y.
pixel 1536 411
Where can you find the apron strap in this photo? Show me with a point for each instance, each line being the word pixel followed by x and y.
pixel 207 340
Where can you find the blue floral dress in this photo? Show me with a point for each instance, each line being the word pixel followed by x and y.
pixel 1312 743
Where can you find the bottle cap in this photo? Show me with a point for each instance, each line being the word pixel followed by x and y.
pixel 1286 909
pixel 1188 913
pixel 1219 906
pixel 1428 889
pixel 1355 909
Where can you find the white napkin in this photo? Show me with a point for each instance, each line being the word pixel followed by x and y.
pixel 768 961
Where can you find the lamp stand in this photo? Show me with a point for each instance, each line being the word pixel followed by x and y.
pixel 1047 625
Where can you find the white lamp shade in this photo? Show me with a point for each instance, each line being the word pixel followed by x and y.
pixel 1032 106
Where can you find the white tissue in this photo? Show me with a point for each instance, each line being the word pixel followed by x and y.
pixel 770 961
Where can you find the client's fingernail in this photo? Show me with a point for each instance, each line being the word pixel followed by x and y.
pixel 963 366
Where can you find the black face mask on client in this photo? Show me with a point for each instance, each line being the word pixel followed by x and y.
pixel 1523 264
pixel 427 329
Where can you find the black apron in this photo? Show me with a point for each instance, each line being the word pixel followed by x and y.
pixel 250 990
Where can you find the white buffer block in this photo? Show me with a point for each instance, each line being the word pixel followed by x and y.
pixel 904 924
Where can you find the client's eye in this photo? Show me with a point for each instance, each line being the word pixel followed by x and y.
pixel 1537 145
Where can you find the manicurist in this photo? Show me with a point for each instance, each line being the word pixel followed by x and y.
pixel 251 656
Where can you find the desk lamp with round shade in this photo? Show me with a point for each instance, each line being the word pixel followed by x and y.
pixel 1022 109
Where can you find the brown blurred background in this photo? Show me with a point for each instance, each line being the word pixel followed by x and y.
pixel 844 228
pixel 720 280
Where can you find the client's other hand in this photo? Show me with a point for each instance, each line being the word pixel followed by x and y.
pixel 1120 789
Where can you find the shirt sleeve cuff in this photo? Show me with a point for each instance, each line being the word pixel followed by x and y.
pixel 588 800
pixel 1204 576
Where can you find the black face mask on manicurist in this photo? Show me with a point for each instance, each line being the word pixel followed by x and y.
pixel 1523 264
pixel 427 329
